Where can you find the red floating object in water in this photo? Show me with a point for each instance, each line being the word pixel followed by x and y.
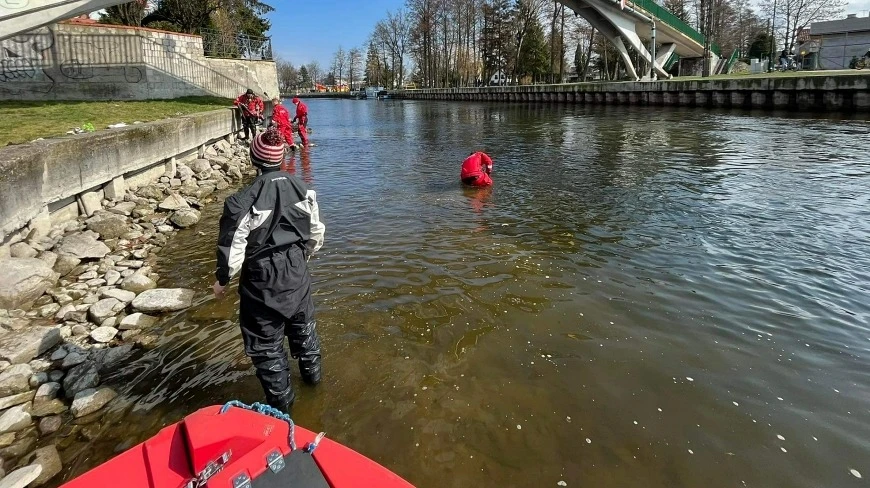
pixel 238 448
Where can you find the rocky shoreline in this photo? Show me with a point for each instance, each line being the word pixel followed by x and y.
pixel 75 303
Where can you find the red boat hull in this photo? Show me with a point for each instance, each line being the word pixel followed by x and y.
pixel 235 443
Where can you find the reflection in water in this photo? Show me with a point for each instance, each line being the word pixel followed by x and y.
pixel 646 297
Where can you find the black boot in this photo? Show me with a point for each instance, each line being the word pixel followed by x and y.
pixel 309 368
pixel 282 401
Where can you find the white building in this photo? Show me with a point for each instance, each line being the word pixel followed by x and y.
pixel 841 40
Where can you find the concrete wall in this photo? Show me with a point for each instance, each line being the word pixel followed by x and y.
pixel 843 93
pixel 837 50
pixel 95 62
pixel 39 179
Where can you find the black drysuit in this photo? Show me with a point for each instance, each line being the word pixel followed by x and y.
pixel 267 231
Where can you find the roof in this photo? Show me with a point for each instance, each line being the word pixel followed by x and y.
pixel 842 26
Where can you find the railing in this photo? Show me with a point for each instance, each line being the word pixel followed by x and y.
pixel 217 44
pixel 672 20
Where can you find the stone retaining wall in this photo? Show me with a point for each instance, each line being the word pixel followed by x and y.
pixel 842 93
pixel 51 181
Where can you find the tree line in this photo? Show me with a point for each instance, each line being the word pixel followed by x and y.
pixel 443 43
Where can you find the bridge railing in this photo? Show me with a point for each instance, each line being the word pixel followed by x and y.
pixel 672 20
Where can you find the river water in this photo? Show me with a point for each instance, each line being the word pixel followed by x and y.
pixel 646 297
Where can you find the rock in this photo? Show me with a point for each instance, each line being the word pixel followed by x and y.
pixel 79 316
pixel 49 257
pixel 21 477
pixel 61 314
pixel 123 208
pixel 46 392
pixel 83 246
pixel 74 358
pixel 80 378
pixel 47 458
pixel 163 300
pixel 89 401
pixel 204 175
pixel 109 322
pixel 50 425
pixel 166 229
pixel 174 183
pixel 11 401
pixel 138 283
pixel 23 346
pixel 104 309
pixel 25 442
pixel 234 173
pixel 221 185
pixel 109 227
pixel 104 334
pixel 15 419
pixel 184 172
pixel 7 439
pixel 22 250
pixel 131 264
pixel 110 357
pixel 39 365
pixel 38 378
pixel 48 310
pixel 173 202
pixel 200 165
pixel 15 379
pixel 65 264
pixel 48 407
pixel 112 277
pixel 55 375
pixel 123 296
pixel 90 202
pixel 137 321
pixel 185 218
pixel 141 212
pixel 80 330
pixel 58 354
pixel 23 280
pixel 87 275
pixel 151 192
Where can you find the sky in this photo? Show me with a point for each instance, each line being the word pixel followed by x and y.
pixel 308 31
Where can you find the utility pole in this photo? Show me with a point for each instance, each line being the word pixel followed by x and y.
pixel 772 40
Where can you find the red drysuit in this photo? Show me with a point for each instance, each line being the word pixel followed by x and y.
pixel 281 119
pixel 476 170
pixel 302 118
pixel 253 104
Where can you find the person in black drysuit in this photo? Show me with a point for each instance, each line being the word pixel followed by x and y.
pixel 268 231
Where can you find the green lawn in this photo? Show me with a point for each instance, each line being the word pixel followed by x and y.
pixel 22 122
pixel 776 74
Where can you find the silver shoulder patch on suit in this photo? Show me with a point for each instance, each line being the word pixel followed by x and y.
pixel 259 217
pixel 305 205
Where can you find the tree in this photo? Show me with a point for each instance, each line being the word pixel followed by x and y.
pixel 354 63
pixel 533 57
pixel 338 64
pixel 527 13
pixel 288 76
pixel 191 16
pixel 130 13
pixel 794 15
pixel 304 77
pixel 314 71
pixel 330 80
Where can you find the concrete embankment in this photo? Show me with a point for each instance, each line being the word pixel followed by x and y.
pixel 84 219
pixel 841 93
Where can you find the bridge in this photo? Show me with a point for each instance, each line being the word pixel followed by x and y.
pixel 19 16
pixel 644 19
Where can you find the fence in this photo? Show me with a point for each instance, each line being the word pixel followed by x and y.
pixel 217 44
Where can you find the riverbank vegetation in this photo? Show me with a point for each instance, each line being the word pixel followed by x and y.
pixel 22 122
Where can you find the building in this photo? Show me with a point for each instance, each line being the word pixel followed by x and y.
pixel 834 43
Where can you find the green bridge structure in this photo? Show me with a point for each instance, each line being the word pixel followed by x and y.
pixel 626 23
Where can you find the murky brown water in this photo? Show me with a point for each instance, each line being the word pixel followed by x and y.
pixel 646 298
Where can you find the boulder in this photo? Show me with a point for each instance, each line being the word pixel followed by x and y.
pixel 74 358
pixel 50 425
pixel 69 307
pixel 24 345
pixel 89 401
pixel 48 310
pixel 48 407
pixel 80 378
pixel 105 308
pixel 141 212
pixel 12 400
pixel 91 202
pixel 184 172
pixel 151 192
pixel 112 277
pixel 46 392
pixel 23 280
pixel 163 300
pixel 110 357
pixel 137 321
pixel 200 165
pixel 49 257
pixel 173 202
pixel 15 419
pixel 138 283
pixel 123 208
pixel 65 264
pixel 22 250
pixel 15 379
pixel 185 218
pixel 83 246
pixel 47 458
pixel 108 226
pixel 104 334
pixel 22 477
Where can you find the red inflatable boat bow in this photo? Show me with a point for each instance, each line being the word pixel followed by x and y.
pixel 238 448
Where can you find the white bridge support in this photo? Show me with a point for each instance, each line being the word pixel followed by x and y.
pixel 625 27
pixel 19 16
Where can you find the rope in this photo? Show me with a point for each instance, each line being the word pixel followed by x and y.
pixel 271 412
pixel 313 445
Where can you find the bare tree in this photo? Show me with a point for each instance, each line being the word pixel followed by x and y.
pixel 354 63
pixel 397 31
pixel 794 15
pixel 314 71
pixel 288 76
pixel 338 64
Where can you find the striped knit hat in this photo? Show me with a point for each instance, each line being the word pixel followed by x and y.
pixel 267 149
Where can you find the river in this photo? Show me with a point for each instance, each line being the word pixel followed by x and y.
pixel 646 297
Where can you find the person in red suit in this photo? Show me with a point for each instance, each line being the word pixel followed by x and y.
pixel 281 120
pixel 302 118
pixel 252 112
pixel 476 169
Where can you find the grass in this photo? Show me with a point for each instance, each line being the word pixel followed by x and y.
pixel 22 122
pixel 775 74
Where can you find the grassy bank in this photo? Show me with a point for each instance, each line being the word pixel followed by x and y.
pixel 22 122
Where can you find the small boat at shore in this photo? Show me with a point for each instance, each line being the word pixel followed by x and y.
pixel 239 446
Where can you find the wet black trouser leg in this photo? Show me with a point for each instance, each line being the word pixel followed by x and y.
pixel 276 302
pixel 248 123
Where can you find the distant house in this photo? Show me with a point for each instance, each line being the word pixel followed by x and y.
pixel 834 43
